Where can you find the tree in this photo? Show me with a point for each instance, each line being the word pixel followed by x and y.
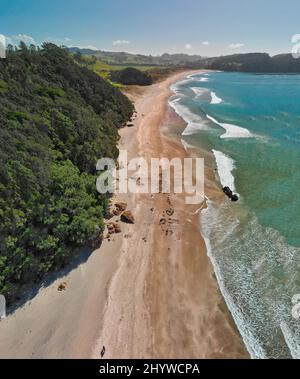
pixel 57 119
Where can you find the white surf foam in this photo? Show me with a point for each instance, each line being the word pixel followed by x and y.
pixel 191 76
pixel 199 91
pixel 245 256
pixel 232 131
pixel 225 167
pixel 290 340
pixel 188 79
pixel 203 80
pixel 176 86
pixel 215 99
pixel 208 217
pixel 194 121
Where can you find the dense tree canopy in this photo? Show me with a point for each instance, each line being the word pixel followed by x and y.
pixel 56 120
pixel 131 76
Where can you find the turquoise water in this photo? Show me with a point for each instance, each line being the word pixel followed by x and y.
pixel 252 125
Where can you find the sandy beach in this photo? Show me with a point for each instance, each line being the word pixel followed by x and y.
pixel 149 292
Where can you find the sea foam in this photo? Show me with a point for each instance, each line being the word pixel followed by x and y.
pixel 176 86
pixel 215 99
pixel 194 121
pixel 191 76
pixel 199 91
pixel 209 219
pixel 247 258
pixel 232 131
pixel 225 167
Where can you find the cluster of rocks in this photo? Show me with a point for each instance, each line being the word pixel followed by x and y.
pixel 228 192
pixel 113 228
pixel 118 210
pixel 127 217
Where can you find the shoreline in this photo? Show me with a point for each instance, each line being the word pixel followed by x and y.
pixel 177 310
pixel 149 292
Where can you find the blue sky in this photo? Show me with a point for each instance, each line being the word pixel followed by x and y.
pixel 203 27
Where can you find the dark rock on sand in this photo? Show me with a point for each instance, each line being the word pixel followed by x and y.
pixel 119 208
pixel 122 206
pixel 127 217
pixel 62 287
pixel 113 228
pixel 235 198
pixel 227 191
pixel 230 194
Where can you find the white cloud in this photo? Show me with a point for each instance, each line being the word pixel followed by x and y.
pixel 66 41
pixel 90 47
pixel 16 39
pixel 23 37
pixel 236 45
pixel 121 42
pixel 206 43
pixel 188 46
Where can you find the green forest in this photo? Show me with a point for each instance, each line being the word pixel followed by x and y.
pixel 131 76
pixel 56 120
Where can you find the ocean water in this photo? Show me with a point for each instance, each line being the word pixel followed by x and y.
pixel 251 123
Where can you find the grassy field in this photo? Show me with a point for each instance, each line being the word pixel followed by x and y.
pixel 102 66
pixel 103 69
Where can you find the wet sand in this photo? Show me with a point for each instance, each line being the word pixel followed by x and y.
pixel 164 301
pixel 149 292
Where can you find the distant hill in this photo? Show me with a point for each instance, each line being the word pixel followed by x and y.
pixel 123 58
pixel 253 62
pixel 131 76
pixel 178 59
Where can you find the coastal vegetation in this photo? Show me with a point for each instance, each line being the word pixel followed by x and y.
pixel 253 62
pixel 60 112
pixel 137 60
pixel 131 76
pixel 117 75
pixel 57 119
pixel 250 62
